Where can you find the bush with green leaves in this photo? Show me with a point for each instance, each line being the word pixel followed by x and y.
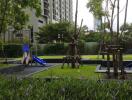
pixel 91 48
pixel 93 37
pixel 55 32
pixel 11 50
pixel 55 49
pixel 61 49
pixel 64 89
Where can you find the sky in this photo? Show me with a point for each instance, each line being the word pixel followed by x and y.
pixel 83 13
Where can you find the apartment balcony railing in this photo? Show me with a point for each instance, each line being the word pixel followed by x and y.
pixel 46 1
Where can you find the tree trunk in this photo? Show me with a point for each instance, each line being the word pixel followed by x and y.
pixel 118 17
pixel 3 16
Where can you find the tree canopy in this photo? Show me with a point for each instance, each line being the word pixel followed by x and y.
pixel 95 6
pixel 12 13
pixel 108 11
pixel 55 31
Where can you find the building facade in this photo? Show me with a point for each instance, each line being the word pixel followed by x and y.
pixel 97 24
pixel 60 10
pixel 52 11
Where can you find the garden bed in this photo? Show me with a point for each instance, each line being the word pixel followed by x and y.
pixel 64 89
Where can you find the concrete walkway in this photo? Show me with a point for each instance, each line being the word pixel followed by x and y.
pixel 100 69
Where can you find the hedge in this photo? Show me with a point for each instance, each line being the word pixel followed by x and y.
pixel 55 49
pixel 60 49
pixel 64 89
pixel 91 48
pixel 11 50
pixel 15 50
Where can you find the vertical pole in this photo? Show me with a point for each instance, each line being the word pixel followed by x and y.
pixel 118 18
pixel 73 44
pixel 108 63
pixel 76 17
pixel 121 65
pixel 126 13
pixel 115 64
pixel 31 42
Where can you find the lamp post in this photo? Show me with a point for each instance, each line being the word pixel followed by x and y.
pixel 60 37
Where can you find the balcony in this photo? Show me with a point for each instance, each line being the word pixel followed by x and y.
pixel 45 1
pixel 46 6
pixel 46 13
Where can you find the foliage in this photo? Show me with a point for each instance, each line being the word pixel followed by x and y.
pixel 49 33
pixel 95 6
pixel 61 49
pixel 105 10
pixel 126 27
pixel 91 48
pixel 12 13
pixel 97 37
pixel 126 35
pixel 11 50
pixel 55 49
pixel 93 37
pixel 105 27
pixel 85 28
pixel 65 89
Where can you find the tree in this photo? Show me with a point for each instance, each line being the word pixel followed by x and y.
pixel 12 13
pixel 95 6
pixel 127 34
pixel 54 31
pixel 93 37
pixel 125 27
pixel 108 13
pixel 111 14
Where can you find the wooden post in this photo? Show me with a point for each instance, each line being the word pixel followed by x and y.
pixel 108 63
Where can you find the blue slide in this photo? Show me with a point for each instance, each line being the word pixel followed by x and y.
pixel 38 60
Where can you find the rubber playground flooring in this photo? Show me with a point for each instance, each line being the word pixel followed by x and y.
pixel 29 70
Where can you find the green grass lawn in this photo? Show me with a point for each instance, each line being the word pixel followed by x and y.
pixel 91 57
pixel 61 56
pixel 85 71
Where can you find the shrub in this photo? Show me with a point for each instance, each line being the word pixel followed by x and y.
pixel 91 48
pixel 57 49
pixel 81 46
pixel 61 49
pixel 11 50
pixel 65 89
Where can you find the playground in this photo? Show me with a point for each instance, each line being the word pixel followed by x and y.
pixel 45 54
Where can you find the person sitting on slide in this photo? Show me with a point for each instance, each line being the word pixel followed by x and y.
pixel 26 54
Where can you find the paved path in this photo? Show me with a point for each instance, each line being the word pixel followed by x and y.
pixel 28 71
pixel 100 69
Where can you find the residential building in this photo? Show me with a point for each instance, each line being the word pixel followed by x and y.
pixel 52 11
pixel 97 23
pixel 60 10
